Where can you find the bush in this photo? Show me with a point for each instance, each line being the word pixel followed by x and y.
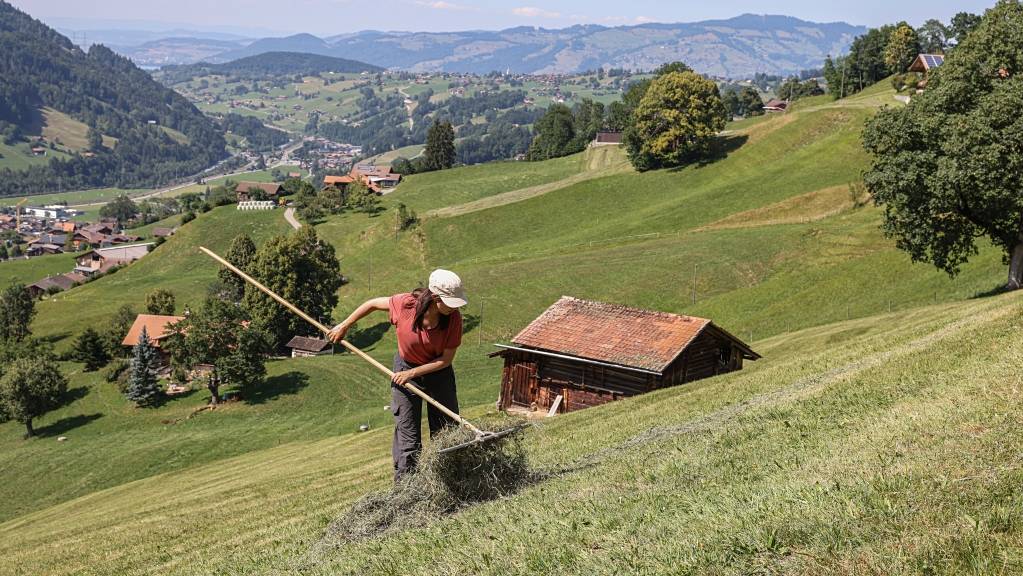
pixel 116 371
pixel 187 217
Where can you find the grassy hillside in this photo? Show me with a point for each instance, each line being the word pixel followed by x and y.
pixel 875 436
pixel 880 445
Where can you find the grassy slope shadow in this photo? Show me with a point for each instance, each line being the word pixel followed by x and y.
pixel 442 484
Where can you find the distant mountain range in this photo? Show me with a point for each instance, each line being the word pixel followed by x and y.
pixel 736 47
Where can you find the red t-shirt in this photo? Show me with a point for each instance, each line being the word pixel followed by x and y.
pixel 425 345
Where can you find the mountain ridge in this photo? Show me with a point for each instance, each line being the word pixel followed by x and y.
pixel 733 47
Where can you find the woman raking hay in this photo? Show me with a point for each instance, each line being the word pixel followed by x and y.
pixel 429 329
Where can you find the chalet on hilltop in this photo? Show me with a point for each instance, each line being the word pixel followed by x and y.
pixel 581 353
pixel 376 178
pixel 247 190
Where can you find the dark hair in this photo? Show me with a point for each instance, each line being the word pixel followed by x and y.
pixel 424 298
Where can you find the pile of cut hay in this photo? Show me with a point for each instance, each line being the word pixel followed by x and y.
pixel 441 484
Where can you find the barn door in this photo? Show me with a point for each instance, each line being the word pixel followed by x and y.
pixel 523 379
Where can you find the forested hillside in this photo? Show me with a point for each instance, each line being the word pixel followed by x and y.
pixel 139 132
pixel 269 64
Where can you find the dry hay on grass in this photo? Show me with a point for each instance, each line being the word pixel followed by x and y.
pixel 441 484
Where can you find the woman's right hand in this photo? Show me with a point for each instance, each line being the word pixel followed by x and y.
pixel 337 333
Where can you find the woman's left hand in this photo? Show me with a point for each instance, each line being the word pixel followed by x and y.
pixel 402 378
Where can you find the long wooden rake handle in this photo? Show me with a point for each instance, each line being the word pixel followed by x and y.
pixel 321 327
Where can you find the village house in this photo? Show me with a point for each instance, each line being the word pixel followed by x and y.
pixel 339 182
pixel 581 353
pixel 103 259
pixel 157 329
pixel 775 105
pixel 249 190
pixel 51 284
pixel 374 177
pixel 303 346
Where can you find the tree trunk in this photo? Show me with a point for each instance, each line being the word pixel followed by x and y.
pixel 1016 267
pixel 213 384
pixel 29 431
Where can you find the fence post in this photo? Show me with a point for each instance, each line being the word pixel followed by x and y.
pixel 694 283
pixel 479 342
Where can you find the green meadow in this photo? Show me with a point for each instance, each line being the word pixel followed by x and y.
pixel 879 434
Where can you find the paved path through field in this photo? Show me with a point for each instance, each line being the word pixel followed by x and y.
pixel 289 215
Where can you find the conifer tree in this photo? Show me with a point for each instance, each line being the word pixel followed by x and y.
pixel 91 350
pixel 143 388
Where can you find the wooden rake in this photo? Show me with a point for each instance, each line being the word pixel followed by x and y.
pixel 480 436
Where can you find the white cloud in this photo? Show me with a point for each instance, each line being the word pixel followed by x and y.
pixel 441 5
pixel 534 12
pixel 644 19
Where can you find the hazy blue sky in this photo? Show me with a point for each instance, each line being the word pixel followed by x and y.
pixel 326 17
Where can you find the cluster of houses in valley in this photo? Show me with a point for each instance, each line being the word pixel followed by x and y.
pixel 99 246
pixel 328 154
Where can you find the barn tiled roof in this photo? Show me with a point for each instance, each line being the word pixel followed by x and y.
pixel 611 333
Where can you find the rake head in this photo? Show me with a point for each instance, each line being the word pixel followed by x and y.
pixel 481 438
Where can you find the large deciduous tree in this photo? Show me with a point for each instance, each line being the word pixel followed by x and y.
pixel 221 336
pixel 750 102
pixel 903 45
pixel 305 271
pixel 676 121
pixel 160 302
pixel 933 37
pixel 121 209
pixel 948 168
pixel 31 387
pixel 17 308
pixel 241 252
pixel 555 134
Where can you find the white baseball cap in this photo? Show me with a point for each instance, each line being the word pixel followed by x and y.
pixel 448 286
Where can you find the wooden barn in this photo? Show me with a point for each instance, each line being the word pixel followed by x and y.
pixel 581 353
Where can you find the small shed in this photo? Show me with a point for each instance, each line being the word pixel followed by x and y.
pixel 581 353
pixel 608 138
pixel 303 346
pixel 924 63
pixel 775 105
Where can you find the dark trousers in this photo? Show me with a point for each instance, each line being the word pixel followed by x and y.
pixel 408 413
